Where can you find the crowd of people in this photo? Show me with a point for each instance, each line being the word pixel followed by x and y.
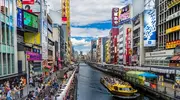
pixel 12 90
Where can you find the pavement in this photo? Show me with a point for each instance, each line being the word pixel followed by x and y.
pixel 168 88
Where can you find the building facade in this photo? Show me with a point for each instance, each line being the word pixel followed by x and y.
pixel 8 39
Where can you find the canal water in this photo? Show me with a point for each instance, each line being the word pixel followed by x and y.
pixel 90 88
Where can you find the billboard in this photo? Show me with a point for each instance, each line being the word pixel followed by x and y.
pixel 28 1
pixel 115 17
pixel 32 8
pixel 30 21
pixel 32 38
pixel 124 15
pixel 19 18
pixel 19 3
pixel 150 28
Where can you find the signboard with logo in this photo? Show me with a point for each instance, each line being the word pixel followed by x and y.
pixel 32 38
pixel 172 44
pixel 124 15
pixel 160 53
pixel 128 45
pixel 174 15
pixel 115 17
pixel 32 8
pixel 19 3
pixel 31 56
pixel 172 3
pixel 28 1
pixel 150 28
pixel 173 29
pixel 19 18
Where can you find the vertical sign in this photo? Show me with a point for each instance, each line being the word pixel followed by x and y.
pixel 19 18
pixel 128 45
pixel 150 28
pixel 115 17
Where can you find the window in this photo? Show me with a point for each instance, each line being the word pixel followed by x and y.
pixel 11 8
pixel 3 33
pixel 4 64
pixel 7 6
pixel 12 35
pixel 115 88
pixel 0 65
pixel 12 60
pixel 9 63
pixel 7 36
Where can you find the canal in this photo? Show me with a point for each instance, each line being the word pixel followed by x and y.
pixel 90 88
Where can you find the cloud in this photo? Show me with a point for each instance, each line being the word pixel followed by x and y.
pixel 82 42
pixel 89 32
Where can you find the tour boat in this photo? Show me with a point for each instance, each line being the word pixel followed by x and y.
pixel 118 87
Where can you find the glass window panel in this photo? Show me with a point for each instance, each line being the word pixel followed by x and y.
pixel 12 35
pixel 4 64
pixel 7 32
pixel 7 7
pixel 11 8
pixel 13 69
pixel 8 64
pixel 0 65
pixel 3 33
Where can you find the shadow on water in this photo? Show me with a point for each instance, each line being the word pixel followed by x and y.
pixel 90 88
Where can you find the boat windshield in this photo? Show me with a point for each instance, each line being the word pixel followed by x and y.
pixel 126 89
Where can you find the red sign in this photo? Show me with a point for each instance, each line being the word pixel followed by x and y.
pixel 27 1
pixel 128 45
pixel 64 19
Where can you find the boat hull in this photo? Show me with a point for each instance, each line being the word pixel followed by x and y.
pixel 108 86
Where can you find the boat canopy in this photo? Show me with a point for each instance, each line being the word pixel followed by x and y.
pixel 148 75
pixel 140 73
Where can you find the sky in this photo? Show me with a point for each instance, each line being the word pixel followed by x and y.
pixel 90 19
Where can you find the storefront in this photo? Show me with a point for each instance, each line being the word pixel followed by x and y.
pixel 175 60
pixel 159 58
pixel 34 62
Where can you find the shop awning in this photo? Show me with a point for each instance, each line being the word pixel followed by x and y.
pixel 175 58
pixel 148 75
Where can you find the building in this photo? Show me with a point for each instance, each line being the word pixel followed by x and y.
pixel 103 49
pixel 124 44
pixel 93 47
pixel 8 40
pixel 138 39
pixel 113 48
pixel 107 51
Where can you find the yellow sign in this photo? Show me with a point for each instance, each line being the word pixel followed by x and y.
pixel 19 4
pixel 173 3
pixel 32 38
pixel 172 44
pixel 173 29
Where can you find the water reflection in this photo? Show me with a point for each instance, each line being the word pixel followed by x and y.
pixel 90 88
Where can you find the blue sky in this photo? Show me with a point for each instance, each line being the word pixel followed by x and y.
pixel 89 19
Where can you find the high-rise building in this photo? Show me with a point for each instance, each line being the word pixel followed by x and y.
pixel 8 40
pixel 93 47
pixel 107 51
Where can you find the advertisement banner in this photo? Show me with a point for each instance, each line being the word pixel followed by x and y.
pixel 19 18
pixel 150 28
pixel 45 41
pixel 32 8
pixel 32 38
pixel 115 17
pixel 124 15
pixel 28 1
pixel 19 3
pixel 31 56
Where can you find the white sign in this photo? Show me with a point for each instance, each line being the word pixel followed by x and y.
pixel 160 53
pixel 20 39
pixel 177 14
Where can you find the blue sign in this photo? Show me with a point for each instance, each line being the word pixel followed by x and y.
pixel 19 18
pixel 150 28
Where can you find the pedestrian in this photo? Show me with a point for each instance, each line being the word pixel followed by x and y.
pixel 31 81
pixel 36 92
pixel 9 97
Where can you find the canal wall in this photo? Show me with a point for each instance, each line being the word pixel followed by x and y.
pixel 121 73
